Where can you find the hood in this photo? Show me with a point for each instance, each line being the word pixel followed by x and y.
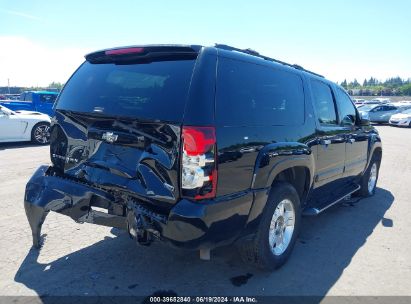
pixel 400 116
pixel 23 112
pixel 32 115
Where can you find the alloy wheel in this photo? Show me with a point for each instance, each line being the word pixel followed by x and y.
pixel 282 227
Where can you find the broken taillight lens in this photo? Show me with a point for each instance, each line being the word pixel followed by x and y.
pixel 199 166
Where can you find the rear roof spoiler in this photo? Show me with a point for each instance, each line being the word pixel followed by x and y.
pixel 143 53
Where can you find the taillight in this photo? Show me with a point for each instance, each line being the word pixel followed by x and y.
pixel 199 163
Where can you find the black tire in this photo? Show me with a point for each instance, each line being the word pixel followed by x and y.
pixel 365 191
pixel 37 133
pixel 257 250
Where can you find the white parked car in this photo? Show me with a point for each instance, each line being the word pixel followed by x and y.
pixel 24 126
pixel 401 119
pixel 358 101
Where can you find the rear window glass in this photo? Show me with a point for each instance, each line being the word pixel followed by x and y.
pixel 251 94
pixel 48 98
pixel 156 90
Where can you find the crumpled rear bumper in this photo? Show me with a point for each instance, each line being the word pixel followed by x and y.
pixel 191 225
pixel 46 193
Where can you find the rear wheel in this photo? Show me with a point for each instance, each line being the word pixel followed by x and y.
pixel 40 134
pixel 369 180
pixel 274 240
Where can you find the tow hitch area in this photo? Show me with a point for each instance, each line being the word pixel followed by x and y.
pixel 141 224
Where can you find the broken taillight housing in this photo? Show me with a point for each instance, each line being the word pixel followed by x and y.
pixel 198 163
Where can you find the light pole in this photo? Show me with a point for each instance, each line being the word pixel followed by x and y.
pixel 8 84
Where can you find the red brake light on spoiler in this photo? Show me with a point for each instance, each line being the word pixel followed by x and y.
pixel 132 50
pixel 144 53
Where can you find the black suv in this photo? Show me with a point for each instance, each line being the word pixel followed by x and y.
pixel 200 147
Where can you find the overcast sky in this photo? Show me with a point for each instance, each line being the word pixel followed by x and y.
pixel 45 41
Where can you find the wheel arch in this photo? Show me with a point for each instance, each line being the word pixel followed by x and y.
pixel 294 166
pixel 375 148
pixel 35 125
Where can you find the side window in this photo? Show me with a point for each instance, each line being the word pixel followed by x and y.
pixel 251 94
pixel 324 103
pixel 346 109
pixel 28 97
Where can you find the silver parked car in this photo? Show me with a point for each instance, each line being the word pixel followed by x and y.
pixel 381 113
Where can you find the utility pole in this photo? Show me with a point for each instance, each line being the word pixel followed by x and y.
pixel 8 84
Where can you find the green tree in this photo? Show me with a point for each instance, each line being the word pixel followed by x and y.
pixel 56 85
pixel 406 89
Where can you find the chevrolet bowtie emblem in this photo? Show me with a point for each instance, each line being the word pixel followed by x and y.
pixel 109 137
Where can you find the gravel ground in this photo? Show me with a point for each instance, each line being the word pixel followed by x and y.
pixel 363 249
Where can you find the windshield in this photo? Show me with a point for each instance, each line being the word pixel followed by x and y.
pixel 155 90
pixel 406 111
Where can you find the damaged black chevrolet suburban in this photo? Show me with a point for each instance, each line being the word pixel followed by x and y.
pixel 201 147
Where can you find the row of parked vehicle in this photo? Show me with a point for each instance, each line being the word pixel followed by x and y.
pixel 382 110
pixel 27 118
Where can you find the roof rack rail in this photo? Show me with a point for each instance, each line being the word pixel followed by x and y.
pixel 255 53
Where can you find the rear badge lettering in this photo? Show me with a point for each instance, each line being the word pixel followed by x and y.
pixel 66 159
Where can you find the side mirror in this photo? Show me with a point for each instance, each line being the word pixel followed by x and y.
pixel 348 120
pixel 364 119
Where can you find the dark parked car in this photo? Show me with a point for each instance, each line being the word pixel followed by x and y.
pixel 200 147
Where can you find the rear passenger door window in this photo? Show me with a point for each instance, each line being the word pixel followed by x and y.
pixel 324 103
pixel 251 94
pixel 348 114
